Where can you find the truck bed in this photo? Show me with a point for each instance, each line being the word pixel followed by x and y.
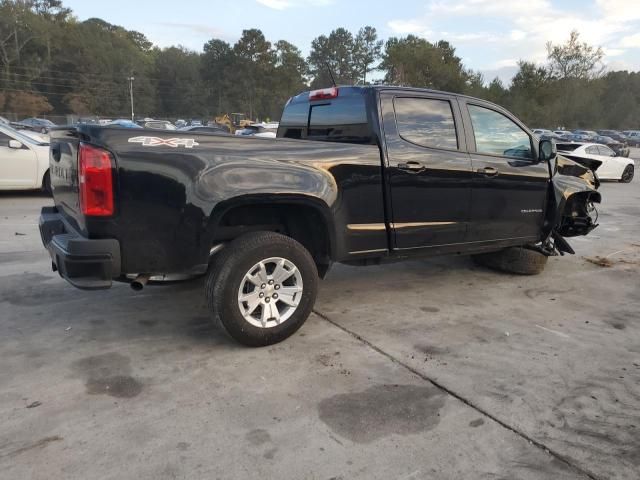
pixel 171 186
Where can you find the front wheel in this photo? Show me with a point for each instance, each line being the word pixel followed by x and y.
pixel 627 174
pixel 519 260
pixel 262 287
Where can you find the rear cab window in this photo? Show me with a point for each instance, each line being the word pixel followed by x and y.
pixel 340 119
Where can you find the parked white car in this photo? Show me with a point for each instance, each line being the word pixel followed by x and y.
pixel 24 161
pixel 612 168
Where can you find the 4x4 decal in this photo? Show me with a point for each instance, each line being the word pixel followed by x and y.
pixel 164 142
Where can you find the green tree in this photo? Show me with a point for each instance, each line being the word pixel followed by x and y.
pixel 288 78
pixel 575 59
pixel 179 83
pixel 496 92
pixel 367 51
pixel 83 67
pixel 216 64
pixel 98 58
pixel 528 93
pixel 335 52
pixel 416 62
pixel 475 84
pixel 254 63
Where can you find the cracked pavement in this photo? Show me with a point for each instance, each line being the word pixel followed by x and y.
pixel 428 369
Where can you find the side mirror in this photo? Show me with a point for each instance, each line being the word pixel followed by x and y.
pixel 547 150
pixel 15 144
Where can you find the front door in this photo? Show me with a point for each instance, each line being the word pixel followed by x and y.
pixel 429 170
pixel 18 166
pixel 510 185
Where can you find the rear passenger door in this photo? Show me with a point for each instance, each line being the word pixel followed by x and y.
pixel 509 192
pixel 428 171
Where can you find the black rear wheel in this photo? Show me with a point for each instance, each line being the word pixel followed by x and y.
pixel 627 174
pixel 262 287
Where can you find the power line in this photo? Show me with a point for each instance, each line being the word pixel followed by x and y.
pixel 110 95
pixel 106 88
pixel 69 72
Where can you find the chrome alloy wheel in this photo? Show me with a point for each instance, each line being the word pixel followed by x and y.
pixel 270 292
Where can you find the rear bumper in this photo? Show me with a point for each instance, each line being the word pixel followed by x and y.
pixel 88 264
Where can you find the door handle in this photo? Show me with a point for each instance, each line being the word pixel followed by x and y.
pixel 488 171
pixel 411 165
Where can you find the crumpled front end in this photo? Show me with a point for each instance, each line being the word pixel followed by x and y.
pixel 572 211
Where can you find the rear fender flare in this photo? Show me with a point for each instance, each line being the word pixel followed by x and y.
pixel 298 200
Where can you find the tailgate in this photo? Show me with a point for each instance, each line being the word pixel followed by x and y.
pixel 63 170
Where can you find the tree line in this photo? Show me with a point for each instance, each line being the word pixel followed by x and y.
pixel 52 62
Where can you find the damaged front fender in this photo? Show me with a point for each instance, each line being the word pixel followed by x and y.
pixel 571 204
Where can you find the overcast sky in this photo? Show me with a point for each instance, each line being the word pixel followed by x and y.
pixel 490 35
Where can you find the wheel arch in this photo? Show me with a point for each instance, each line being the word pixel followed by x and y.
pixel 305 218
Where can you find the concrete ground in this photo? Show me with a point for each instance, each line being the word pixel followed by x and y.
pixel 433 369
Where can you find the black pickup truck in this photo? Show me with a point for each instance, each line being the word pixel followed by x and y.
pixel 357 175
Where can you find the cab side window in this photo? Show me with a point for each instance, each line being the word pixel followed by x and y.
pixel 427 122
pixel 496 134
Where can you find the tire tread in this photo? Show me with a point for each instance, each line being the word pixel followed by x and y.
pixel 519 260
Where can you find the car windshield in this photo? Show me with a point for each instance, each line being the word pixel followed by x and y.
pixel 20 136
pixel 567 147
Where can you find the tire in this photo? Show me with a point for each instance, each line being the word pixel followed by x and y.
pixel 520 260
pixel 227 280
pixel 627 174
pixel 43 131
pixel 46 183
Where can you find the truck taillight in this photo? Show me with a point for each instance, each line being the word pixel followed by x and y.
pixel 323 93
pixel 95 181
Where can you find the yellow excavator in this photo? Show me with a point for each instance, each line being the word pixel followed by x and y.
pixel 233 121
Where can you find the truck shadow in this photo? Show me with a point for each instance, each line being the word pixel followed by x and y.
pixel 178 311
pixel 176 315
pixel 394 276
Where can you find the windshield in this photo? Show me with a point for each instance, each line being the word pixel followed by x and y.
pixel 20 136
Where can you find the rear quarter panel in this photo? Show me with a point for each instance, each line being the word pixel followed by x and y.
pixel 167 196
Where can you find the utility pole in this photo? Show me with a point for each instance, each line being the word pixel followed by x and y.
pixel 131 79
